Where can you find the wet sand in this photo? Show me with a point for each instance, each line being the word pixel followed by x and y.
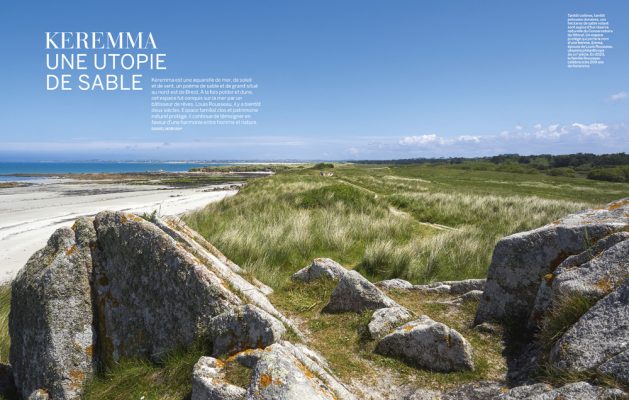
pixel 29 215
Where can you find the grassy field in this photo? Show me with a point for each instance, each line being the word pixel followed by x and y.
pixel 419 222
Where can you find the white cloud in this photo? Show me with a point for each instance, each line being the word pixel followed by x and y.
pixel 432 140
pixel 619 96
pixel 419 140
pixel 469 138
pixel 596 137
pixel 596 129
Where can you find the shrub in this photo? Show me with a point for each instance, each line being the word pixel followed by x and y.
pixel 615 174
pixel 323 165
pixel 563 171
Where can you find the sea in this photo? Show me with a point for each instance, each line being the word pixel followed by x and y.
pixel 19 171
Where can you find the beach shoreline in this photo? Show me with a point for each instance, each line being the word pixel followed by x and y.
pixel 29 214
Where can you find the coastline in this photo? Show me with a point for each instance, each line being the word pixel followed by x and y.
pixel 30 214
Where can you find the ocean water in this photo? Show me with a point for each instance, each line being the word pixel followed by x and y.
pixel 8 170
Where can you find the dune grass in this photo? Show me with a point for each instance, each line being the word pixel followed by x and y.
pixel 141 379
pixel 5 307
pixel 421 223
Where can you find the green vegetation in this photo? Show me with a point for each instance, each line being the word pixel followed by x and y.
pixel 140 379
pixel 246 168
pixel 561 317
pixel 606 167
pixel 323 166
pixel 5 340
pixel 418 222
pixel 5 307
pixel 343 341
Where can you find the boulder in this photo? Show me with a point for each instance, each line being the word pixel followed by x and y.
pixel 572 391
pixel 251 290
pixel 472 295
pixel 39 394
pixel 51 321
pixel 488 327
pixel 598 339
pixel 428 344
pixel 452 287
pixel 563 279
pixel 279 374
pixel 320 268
pixel 540 391
pixel 482 390
pixel 520 261
pixel 152 295
pixel 385 320
pixel 464 286
pixel 245 327
pixel 394 284
pixel 208 382
pixel 357 294
pixel 436 288
pixel 596 278
pixel 617 366
pixel 119 286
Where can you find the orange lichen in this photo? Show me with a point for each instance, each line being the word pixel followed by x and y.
pixel 76 378
pixel 305 370
pixel 408 328
pixel 605 285
pixel 89 350
pixel 265 380
pixel 71 251
pixel 549 277
pixel 220 363
pixel 618 204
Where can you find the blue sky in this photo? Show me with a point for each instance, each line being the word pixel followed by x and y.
pixel 338 80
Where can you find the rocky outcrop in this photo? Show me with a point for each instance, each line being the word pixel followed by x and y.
pixel 445 287
pixel 464 286
pixel 253 292
pixel 394 284
pixel 520 261
pixel 279 375
pixel 428 344
pixel 208 382
pixel 119 286
pixel 51 321
pixel 246 327
pixel 599 340
pixel 355 293
pixel 280 371
pixel 592 274
pixel 572 391
pixel 385 320
pixel 540 391
pixel 320 268
pixel 152 296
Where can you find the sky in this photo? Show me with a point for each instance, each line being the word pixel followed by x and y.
pixel 338 80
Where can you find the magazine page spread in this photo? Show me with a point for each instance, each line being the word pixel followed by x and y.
pixel 281 200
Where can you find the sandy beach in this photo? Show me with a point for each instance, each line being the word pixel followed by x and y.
pixel 28 215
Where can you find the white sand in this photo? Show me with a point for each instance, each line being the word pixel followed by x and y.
pixel 29 215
